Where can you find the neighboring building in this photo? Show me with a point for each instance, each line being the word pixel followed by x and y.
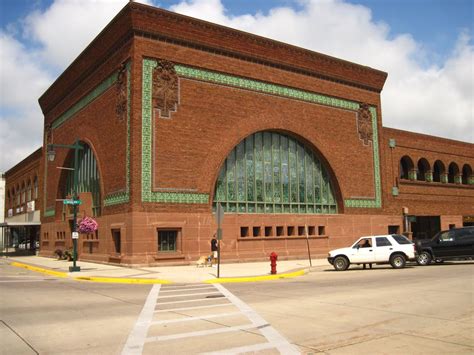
pixel 2 212
pixel 22 204
pixel 176 115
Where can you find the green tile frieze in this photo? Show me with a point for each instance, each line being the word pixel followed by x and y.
pixel 249 84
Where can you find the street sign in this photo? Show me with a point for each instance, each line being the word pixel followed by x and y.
pixel 72 202
pixel 75 235
pixel 219 215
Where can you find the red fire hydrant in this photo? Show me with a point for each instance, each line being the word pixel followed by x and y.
pixel 273 262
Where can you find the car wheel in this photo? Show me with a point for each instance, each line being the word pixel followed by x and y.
pixel 340 263
pixel 424 258
pixel 397 261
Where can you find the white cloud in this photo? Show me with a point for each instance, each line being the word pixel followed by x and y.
pixel 32 54
pixel 68 26
pixel 434 99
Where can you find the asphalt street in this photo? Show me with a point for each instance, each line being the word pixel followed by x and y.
pixel 416 310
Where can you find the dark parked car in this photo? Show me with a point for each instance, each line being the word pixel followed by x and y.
pixel 456 243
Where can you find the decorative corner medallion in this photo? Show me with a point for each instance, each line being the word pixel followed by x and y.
pixel 165 89
pixel 121 88
pixel 364 123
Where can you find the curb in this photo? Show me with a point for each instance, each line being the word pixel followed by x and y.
pixel 38 269
pixel 121 280
pixel 156 281
pixel 257 278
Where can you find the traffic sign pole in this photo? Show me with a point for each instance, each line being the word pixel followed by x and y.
pixel 219 219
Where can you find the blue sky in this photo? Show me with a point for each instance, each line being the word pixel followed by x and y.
pixel 426 47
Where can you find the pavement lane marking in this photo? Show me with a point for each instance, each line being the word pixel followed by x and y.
pixel 189 294
pixel 189 319
pixel 242 349
pixel 193 300
pixel 191 308
pixel 202 333
pixel 136 339
pixel 188 289
pixel 270 333
pixel 12 281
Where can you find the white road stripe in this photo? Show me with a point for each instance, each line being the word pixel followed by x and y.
pixel 242 349
pixel 187 289
pixel 189 294
pixel 195 307
pixel 193 300
pixel 178 287
pixel 137 337
pixel 203 332
pixel 33 280
pixel 189 319
pixel 269 332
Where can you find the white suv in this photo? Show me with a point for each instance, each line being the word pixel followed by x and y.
pixel 395 249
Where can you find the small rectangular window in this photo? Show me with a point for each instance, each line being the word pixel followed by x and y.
pixel 268 231
pixel 256 231
pixel 116 240
pixel 311 230
pixel 291 230
pixel 280 231
pixel 167 240
pixel 393 229
pixel 382 242
pixel 244 232
pixel 321 230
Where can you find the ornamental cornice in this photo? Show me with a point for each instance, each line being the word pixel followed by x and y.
pixel 222 31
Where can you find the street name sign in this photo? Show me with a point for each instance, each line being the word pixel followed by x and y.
pixel 72 202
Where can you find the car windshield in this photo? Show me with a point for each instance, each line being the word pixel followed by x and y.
pixel 401 239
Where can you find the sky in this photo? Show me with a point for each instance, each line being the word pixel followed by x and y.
pixel 425 46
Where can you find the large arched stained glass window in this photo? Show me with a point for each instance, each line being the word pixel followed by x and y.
pixel 88 179
pixel 269 172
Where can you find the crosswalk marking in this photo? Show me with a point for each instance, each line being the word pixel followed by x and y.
pixel 189 294
pixel 189 289
pixel 257 325
pixel 189 319
pixel 188 301
pixel 191 308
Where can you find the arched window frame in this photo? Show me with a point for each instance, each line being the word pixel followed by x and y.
pixel 18 195
pixel 272 172
pixel 439 172
pixel 28 192
pixel 424 172
pixel 88 177
pixel 35 187
pixel 407 171
pixel 467 177
pixel 23 193
pixel 454 176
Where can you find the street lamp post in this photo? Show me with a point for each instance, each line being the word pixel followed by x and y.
pixel 51 155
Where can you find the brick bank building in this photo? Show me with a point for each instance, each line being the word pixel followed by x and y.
pixel 177 114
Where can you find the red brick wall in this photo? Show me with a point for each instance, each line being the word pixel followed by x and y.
pixel 211 120
pixel 17 177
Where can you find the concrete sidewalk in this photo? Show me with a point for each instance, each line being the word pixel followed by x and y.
pixel 232 272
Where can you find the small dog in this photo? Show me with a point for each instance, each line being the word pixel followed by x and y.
pixel 203 261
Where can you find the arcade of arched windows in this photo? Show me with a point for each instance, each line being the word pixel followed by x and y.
pixel 437 171
pixel 20 195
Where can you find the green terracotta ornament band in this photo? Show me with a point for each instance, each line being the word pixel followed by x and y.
pixel 248 84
